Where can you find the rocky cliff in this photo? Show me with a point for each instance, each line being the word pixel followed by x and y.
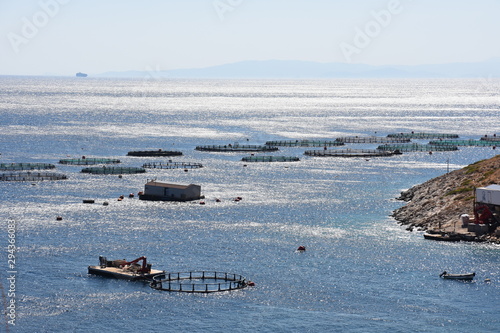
pixel 441 201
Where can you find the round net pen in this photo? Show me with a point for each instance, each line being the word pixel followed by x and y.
pixel 113 170
pixel 416 147
pixel 270 159
pixel 172 165
pixel 88 161
pixel 154 153
pixel 25 166
pixel 305 143
pixel 235 148
pixel 198 282
pixel 471 143
pixel 31 176
pixel 373 139
pixel 413 135
pixel 351 153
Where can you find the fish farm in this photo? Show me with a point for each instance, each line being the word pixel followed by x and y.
pixel 490 138
pixel 413 135
pixel 154 153
pixel 373 139
pixel 194 282
pixel 25 166
pixel 235 148
pixel 416 147
pixel 471 143
pixel 351 153
pixel 172 165
pixel 113 170
pixel 270 159
pixel 88 161
pixel 305 143
pixel 31 176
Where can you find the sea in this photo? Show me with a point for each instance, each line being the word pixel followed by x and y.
pixel 361 271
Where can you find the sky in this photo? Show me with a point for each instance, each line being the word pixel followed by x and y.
pixel 62 37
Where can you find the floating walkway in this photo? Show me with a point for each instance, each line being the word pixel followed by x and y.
pixel 270 159
pixel 305 143
pixel 235 148
pixel 113 170
pixel 154 153
pixel 88 161
pixel 31 176
pixel 350 153
pixel 172 165
pixel 195 282
pixel 413 135
pixel 25 166
pixel 491 138
pixel 472 143
pixel 416 147
pixel 372 139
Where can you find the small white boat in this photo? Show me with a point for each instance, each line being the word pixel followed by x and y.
pixel 466 276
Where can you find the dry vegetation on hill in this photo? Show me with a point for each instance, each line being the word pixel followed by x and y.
pixel 443 199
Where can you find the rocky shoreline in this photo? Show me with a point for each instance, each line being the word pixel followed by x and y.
pixel 436 205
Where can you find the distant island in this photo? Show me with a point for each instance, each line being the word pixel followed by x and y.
pixel 80 74
pixel 292 69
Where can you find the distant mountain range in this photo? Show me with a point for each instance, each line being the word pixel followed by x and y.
pixel 291 69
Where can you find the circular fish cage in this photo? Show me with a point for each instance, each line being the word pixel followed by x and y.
pixel 113 170
pixel 31 176
pixel 270 159
pixel 88 161
pixel 198 282
pixel 26 166
pixel 172 165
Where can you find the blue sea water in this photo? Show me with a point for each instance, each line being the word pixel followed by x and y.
pixel 362 272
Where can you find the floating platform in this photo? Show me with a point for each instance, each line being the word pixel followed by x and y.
pixel 31 176
pixel 350 153
pixel 26 166
pixel 443 237
pixel 154 153
pixel 270 159
pixel 373 139
pixel 113 170
pixel 172 165
pixel 196 282
pixel 491 138
pixel 235 148
pixel 88 161
pixel 471 143
pixel 121 269
pixel 413 135
pixel 305 143
pixel 411 147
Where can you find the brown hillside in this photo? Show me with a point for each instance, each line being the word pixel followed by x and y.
pixel 443 199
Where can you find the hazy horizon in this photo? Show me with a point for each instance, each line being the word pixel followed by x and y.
pixel 62 37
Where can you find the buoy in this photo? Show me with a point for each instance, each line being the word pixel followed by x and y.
pixel 88 201
pixel 131 195
pixel 120 176
pixel 105 203
pixel 121 197
pixel 59 218
pixel 487 280
pixel 301 248
pixel 185 170
pixel 140 193
pixel 217 200
pixel 251 284
pixel 202 202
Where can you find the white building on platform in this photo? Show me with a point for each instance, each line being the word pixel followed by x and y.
pixel 158 191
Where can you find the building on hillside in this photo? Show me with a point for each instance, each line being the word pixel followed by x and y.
pixel 158 191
